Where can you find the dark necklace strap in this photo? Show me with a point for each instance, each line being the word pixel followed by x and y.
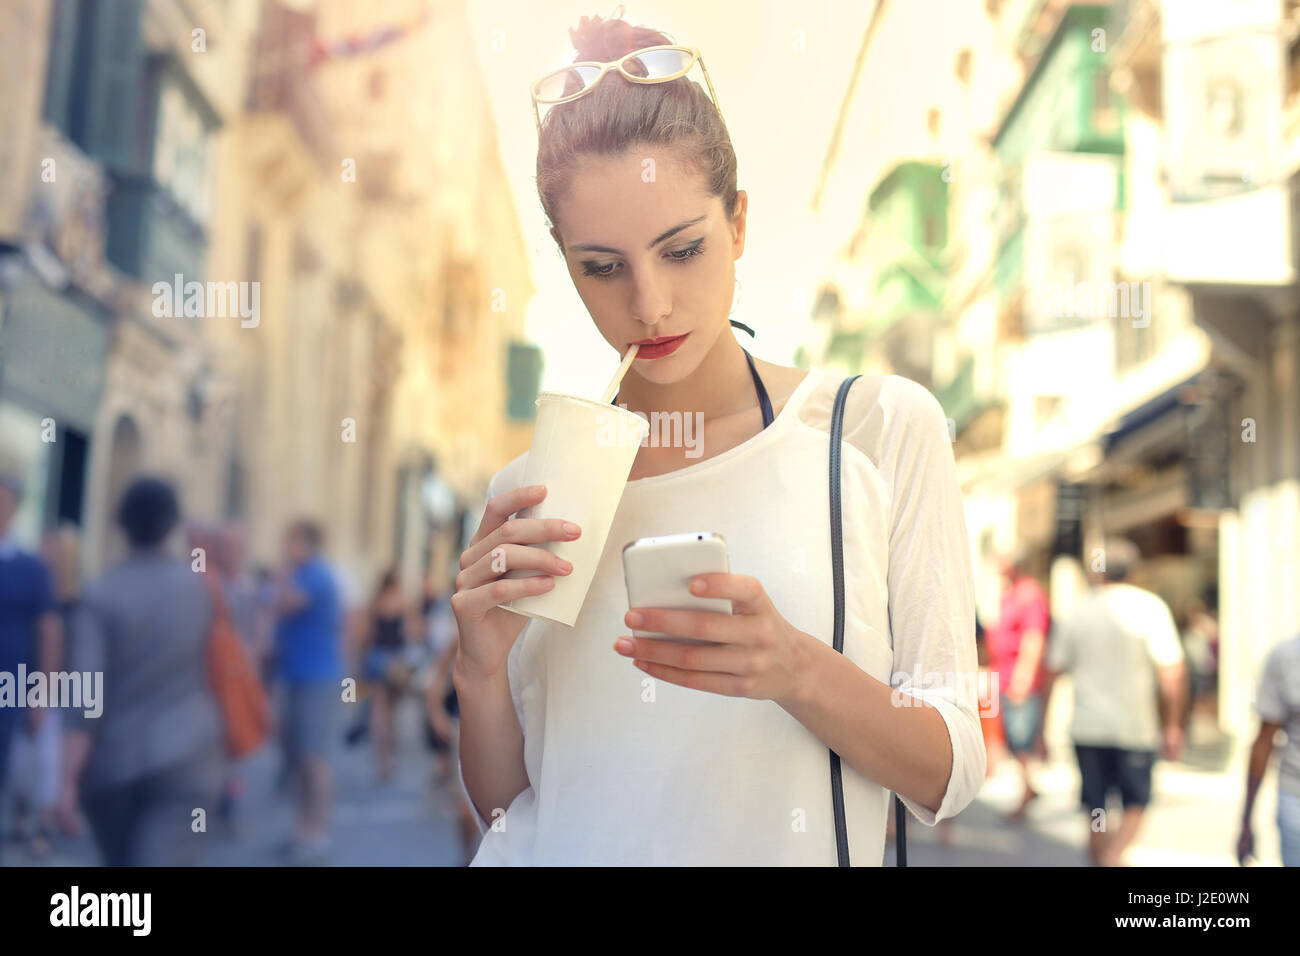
pixel 763 401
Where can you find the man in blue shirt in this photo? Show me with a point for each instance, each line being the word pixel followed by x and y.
pixel 30 633
pixel 308 635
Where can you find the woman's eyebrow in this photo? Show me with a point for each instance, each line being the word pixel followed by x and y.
pixel 591 247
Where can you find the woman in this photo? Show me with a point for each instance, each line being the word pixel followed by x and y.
pixel 598 748
pixel 155 750
pixel 439 694
pixel 387 665
pixel 442 711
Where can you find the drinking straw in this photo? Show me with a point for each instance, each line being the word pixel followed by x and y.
pixel 618 376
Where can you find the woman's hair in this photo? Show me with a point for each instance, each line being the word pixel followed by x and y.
pixel 387 582
pixel 617 115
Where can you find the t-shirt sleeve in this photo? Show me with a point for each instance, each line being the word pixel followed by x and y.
pixel 931 585
pixel 1270 702
pixel 1162 634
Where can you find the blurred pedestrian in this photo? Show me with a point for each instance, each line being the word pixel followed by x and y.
pixel 1016 644
pixel 264 621
pixel 1277 703
pixel 238 584
pixel 309 635
pixel 990 709
pixel 240 591
pixel 31 636
pixel 156 750
pixel 61 551
pixel 1201 645
pixel 442 710
pixel 388 665
pixel 440 705
pixel 1120 646
pixel 36 760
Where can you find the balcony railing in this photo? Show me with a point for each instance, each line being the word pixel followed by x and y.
pixel 150 236
pixel 282 81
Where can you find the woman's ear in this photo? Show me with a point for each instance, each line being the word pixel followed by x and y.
pixel 738 224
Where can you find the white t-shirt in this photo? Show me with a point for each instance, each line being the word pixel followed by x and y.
pixel 684 777
pixel 1278 702
pixel 1111 644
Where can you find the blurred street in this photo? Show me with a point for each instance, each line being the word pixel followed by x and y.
pixel 280 300
pixel 1191 820
pixel 412 822
pixel 408 822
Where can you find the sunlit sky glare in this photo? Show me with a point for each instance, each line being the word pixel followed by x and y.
pixel 780 106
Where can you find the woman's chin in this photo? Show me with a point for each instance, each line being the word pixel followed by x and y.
pixel 668 369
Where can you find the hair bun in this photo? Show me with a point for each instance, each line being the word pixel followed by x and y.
pixel 608 39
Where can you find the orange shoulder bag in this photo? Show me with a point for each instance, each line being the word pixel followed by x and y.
pixel 245 710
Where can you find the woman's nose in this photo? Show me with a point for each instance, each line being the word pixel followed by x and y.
pixel 651 302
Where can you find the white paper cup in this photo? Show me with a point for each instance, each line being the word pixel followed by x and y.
pixel 582 452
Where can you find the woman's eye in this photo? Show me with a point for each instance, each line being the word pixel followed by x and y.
pixel 681 255
pixel 606 271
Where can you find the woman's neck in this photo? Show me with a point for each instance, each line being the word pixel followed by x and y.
pixel 720 386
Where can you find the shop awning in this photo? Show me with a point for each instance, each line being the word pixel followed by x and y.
pixel 1154 415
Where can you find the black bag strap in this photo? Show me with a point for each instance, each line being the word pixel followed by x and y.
pixel 837 565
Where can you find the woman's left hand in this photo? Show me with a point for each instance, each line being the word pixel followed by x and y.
pixel 759 654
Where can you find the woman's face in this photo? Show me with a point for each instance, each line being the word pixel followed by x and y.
pixel 651 254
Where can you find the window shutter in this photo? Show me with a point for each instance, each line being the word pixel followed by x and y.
pixel 113 96
pixel 62 65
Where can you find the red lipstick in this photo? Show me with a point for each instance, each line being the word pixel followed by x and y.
pixel 658 348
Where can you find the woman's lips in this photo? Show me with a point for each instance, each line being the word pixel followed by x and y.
pixel 660 349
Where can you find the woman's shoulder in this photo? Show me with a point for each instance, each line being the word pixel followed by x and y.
pixel 881 411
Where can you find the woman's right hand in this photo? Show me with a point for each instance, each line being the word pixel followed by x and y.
pixel 487 632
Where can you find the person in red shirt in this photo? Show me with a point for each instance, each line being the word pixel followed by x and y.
pixel 1016 645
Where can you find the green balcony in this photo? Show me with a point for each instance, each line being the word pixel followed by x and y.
pixel 1066 103
pixel 906 236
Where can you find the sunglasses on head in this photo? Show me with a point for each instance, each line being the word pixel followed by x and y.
pixel 652 64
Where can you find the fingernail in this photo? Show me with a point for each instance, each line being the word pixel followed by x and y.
pixel 570 528
pixel 565 565
pixel 635 618
pixel 623 645
pixel 697 586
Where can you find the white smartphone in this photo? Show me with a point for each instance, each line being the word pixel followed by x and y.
pixel 658 573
